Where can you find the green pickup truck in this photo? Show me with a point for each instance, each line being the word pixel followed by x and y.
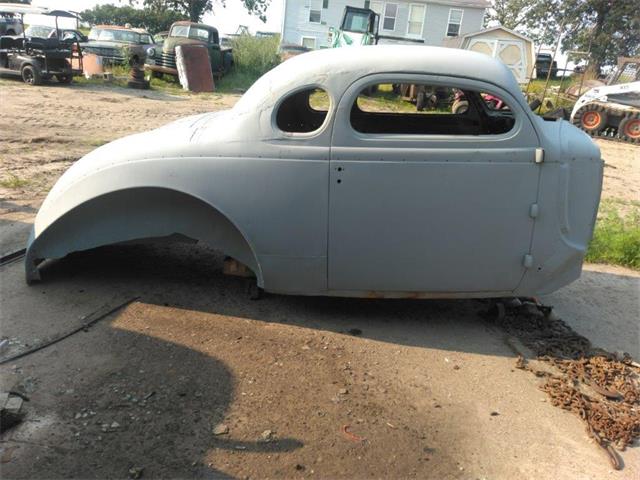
pixel 161 58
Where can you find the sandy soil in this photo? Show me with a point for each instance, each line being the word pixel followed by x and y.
pixel 307 387
pixel 621 171
pixel 44 130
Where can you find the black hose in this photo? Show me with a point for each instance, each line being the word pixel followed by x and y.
pixel 84 326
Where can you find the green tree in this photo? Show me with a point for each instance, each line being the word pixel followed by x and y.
pixel 606 28
pixel 152 20
pixel 195 9
pixel 510 13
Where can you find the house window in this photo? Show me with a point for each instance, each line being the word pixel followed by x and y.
pixel 454 23
pixel 315 16
pixel 390 13
pixel 309 42
pixel 416 20
pixel 325 3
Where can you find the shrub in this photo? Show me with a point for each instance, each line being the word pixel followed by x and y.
pixel 255 55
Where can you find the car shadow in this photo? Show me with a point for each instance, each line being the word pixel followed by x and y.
pixel 194 389
pixel 190 277
pixel 113 402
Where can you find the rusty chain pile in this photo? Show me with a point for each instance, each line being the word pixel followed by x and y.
pixel 602 388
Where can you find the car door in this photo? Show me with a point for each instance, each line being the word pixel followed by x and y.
pixel 444 213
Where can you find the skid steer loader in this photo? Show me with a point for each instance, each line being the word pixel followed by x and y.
pixel 613 110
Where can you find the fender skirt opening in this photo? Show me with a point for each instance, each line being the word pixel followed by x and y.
pixel 137 214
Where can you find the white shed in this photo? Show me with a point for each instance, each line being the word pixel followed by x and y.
pixel 513 49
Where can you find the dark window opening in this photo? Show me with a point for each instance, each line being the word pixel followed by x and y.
pixel 429 110
pixel 303 112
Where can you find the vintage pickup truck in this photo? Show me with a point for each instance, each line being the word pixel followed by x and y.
pixel 161 59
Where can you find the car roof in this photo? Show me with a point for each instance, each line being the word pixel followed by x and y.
pixel 339 67
pixel 118 27
pixel 193 24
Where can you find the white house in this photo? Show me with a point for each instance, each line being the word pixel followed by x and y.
pixel 307 22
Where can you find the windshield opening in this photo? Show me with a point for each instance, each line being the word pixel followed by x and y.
pixel 356 22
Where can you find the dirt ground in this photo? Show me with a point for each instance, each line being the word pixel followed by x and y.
pixel 297 387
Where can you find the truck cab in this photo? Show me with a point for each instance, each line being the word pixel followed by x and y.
pixel 162 59
pixel 359 27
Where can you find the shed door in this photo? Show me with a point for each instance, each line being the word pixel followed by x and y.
pixel 431 213
pixel 509 52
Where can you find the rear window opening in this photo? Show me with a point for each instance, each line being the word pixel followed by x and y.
pixel 303 111
pixel 421 109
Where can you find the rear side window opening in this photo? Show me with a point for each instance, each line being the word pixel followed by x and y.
pixel 421 109
pixel 304 111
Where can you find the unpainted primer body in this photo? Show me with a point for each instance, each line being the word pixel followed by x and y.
pixel 337 212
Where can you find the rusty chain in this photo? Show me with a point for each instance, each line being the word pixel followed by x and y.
pixel 600 387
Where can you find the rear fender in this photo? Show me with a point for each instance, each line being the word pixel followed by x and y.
pixel 135 214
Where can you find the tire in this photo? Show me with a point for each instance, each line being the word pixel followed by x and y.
pixel 421 101
pixel 66 79
pixel 31 75
pixel 591 118
pixel 459 107
pixel 370 91
pixel 629 128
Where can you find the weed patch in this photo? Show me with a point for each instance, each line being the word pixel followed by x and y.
pixel 13 181
pixel 616 239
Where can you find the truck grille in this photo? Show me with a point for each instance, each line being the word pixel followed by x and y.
pixel 168 60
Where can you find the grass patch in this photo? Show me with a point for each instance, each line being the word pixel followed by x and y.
pixel 13 181
pixel 95 142
pixel 120 77
pixel 616 239
pixel 536 89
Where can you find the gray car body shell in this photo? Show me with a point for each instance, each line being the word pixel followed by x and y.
pixel 337 212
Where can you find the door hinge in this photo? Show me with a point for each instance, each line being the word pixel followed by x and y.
pixel 539 155
pixel 527 261
pixel 533 210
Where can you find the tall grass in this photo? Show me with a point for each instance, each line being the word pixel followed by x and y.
pixel 616 239
pixel 253 57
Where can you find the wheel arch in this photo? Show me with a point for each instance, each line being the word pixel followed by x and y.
pixel 138 213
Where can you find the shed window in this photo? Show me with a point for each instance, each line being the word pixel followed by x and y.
pixel 421 109
pixel 390 13
pixel 455 21
pixel 303 111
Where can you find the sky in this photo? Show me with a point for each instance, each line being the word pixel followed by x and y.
pixel 226 20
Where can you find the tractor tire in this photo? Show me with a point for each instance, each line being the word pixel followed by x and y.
pixel 629 129
pixel 459 107
pixel 591 118
pixel 31 75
